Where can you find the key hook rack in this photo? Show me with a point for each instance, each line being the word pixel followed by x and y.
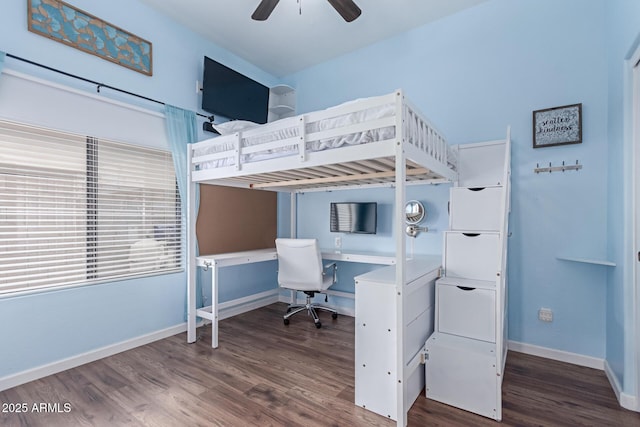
pixel 562 168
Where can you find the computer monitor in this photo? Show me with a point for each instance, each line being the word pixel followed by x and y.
pixel 354 217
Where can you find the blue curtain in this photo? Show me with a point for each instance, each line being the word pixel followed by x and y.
pixel 182 130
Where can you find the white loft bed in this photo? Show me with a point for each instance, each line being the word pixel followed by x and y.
pixel 378 141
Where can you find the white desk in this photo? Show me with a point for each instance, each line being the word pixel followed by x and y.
pixel 217 261
pixel 365 257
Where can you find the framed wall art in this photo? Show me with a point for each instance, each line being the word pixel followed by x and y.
pixel 557 126
pixel 66 24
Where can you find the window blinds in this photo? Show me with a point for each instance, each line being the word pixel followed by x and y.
pixel 77 210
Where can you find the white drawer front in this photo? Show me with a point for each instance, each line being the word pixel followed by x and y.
pixel 481 165
pixel 416 333
pixel 466 312
pixel 420 297
pixel 477 209
pixel 472 256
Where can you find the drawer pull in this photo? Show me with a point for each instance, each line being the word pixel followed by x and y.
pixel 465 288
pixel 476 188
pixel 471 234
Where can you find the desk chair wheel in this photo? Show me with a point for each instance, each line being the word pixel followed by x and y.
pixel 318 325
pixel 334 315
pixel 286 321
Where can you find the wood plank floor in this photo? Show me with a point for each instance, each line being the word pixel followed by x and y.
pixel 266 374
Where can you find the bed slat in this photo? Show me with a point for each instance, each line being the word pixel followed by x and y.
pixel 333 180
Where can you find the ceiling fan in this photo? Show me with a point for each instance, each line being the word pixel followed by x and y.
pixel 346 8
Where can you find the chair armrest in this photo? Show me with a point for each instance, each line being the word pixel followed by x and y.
pixel 335 269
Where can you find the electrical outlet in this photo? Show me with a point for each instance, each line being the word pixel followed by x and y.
pixel 545 315
pixel 338 242
pixel 198 87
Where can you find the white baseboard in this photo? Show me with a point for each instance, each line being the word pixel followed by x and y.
pixel 613 380
pixel 226 310
pixel 562 356
pixel 23 377
pixel 345 311
pixel 627 401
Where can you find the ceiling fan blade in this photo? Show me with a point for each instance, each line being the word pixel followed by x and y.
pixel 264 9
pixel 346 8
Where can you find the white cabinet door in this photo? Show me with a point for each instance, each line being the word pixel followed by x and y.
pixel 462 373
pixel 375 352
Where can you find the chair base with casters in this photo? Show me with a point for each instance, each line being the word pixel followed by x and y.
pixel 293 309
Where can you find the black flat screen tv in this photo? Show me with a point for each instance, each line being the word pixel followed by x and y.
pixel 235 96
pixel 354 217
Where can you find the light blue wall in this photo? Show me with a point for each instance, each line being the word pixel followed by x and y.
pixel 313 218
pixel 473 74
pixel 39 329
pixel 623 31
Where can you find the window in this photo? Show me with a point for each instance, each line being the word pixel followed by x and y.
pixel 78 210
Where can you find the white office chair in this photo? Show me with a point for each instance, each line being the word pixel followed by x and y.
pixel 300 269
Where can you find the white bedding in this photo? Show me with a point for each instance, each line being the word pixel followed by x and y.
pixel 288 128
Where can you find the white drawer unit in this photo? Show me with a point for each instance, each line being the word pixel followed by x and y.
pixel 465 309
pixel 467 351
pixel 462 373
pixel 376 375
pixel 472 255
pixel 476 208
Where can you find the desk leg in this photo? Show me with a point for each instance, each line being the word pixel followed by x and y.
pixel 191 326
pixel 191 306
pixel 214 306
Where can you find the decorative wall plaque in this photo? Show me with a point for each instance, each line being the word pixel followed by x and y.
pixel 66 24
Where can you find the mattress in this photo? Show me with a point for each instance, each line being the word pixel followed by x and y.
pixel 289 128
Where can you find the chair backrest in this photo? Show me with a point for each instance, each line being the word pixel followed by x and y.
pixel 299 264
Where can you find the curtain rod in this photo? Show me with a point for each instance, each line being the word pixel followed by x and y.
pixel 98 84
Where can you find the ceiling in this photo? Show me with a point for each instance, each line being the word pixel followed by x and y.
pixel 290 41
